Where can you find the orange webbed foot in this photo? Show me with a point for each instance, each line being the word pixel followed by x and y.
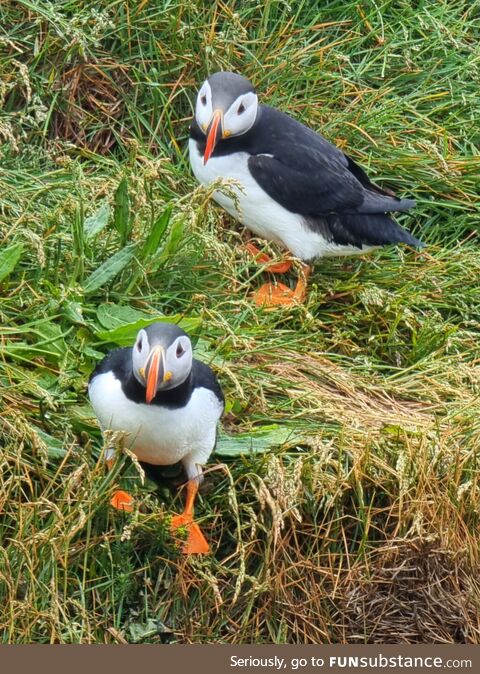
pixel 196 543
pixel 273 295
pixel 122 500
pixel 278 295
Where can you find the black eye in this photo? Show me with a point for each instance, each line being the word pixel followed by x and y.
pixel 241 109
pixel 180 351
pixel 203 99
pixel 139 345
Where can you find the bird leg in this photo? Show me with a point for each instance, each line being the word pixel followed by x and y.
pixel 263 258
pixel 120 500
pixel 271 295
pixel 196 543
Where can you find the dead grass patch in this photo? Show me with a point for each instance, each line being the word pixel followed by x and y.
pixel 411 592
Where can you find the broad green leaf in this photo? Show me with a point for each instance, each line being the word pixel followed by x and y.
pixel 73 312
pixel 9 258
pixel 83 418
pixel 257 441
pixel 55 448
pixel 96 222
pixel 45 340
pixel 121 213
pixel 203 350
pixel 90 352
pixel 82 412
pixel 112 315
pixel 50 340
pixel 109 268
pixel 171 246
pixel 125 335
pixel 155 236
pixel 47 380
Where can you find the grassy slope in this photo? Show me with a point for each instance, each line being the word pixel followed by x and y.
pixel 366 529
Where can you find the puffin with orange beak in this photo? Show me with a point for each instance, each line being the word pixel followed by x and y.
pixel 295 188
pixel 168 404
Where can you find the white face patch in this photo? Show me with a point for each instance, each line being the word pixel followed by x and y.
pixel 203 108
pixel 178 362
pixel 241 115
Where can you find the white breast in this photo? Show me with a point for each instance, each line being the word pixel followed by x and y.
pixel 158 435
pixel 258 211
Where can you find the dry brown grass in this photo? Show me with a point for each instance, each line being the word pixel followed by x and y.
pixel 92 95
pixel 413 591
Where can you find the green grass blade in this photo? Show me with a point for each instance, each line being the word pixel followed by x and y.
pixel 121 211
pixel 171 246
pixel 155 236
pixel 109 269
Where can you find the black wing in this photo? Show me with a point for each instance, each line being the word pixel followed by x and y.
pixel 203 375
pixel 308 175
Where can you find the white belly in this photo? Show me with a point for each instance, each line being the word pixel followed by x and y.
pixel 156 434
pixel 259 212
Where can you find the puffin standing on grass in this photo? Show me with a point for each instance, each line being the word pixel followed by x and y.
pixel 297 189
pixel 168 404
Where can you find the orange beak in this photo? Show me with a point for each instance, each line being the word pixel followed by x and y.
pixel 213 135
pixel 154 364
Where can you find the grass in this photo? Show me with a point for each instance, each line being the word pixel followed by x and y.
pixel 343 500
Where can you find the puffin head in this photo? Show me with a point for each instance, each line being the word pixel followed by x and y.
pixel 161 358
pixel 227 105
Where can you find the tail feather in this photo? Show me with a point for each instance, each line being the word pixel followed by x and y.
pixel 368 229
pixel 379 203
pixel 377 199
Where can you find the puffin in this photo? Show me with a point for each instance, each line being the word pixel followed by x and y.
pixel 168 404
pixel 294 187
